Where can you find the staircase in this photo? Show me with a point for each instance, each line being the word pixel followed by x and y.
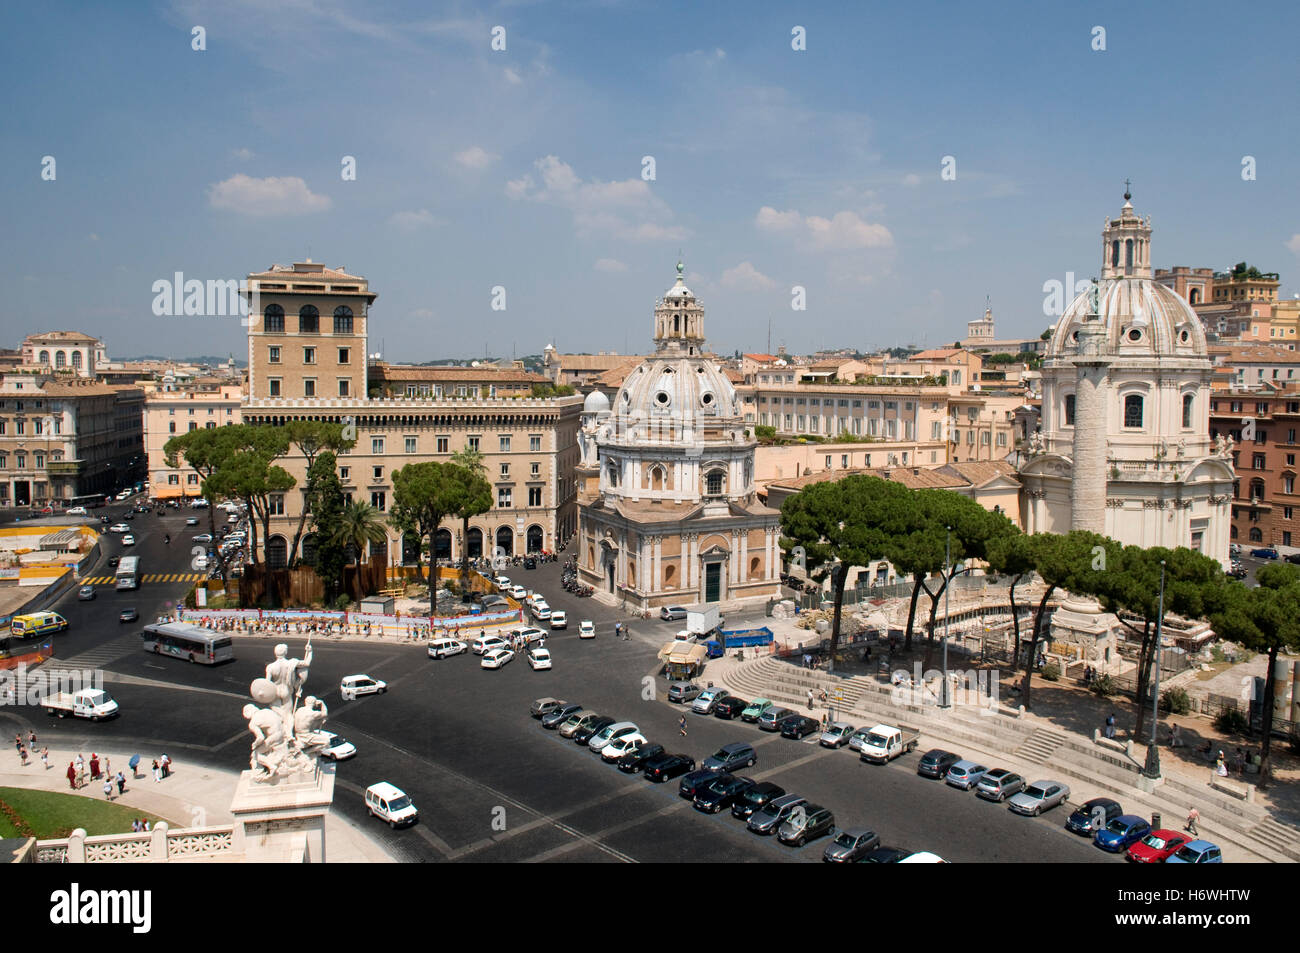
pixel 1041 745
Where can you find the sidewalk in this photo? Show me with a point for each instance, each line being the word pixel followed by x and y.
pixel 193 796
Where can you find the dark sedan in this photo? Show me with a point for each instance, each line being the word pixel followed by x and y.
pixel 721 793
pixel 667 766
pixel 754 799
pixel 636 759
pixel 586 732
pixel 693 783
pixel 1093 816
pixel 849 847
pixel 886 855
pixel 730 707
pixel 553 719
pixel 936 762
pixel 800 727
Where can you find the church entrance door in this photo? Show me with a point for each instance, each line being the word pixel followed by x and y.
pixel 713 582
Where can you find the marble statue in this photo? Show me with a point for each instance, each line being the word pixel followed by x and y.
pixel 1036 444
pixel 287 729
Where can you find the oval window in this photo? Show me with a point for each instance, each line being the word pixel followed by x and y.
pixel 1135 335
pixel 662 398
pixel 1184 337
pixel 706 399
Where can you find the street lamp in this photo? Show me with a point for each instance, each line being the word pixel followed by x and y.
pixel 1152 769
pixel 945 701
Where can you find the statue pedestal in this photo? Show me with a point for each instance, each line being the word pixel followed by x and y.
pixel 283 821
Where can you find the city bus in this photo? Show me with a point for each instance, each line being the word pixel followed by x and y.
pixel 90 501
pixel 188 641
pixel 128 573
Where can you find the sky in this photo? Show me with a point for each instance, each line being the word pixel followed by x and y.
pixel 908 163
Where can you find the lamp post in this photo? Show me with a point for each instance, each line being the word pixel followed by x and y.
pixel 945 700
pixel 1152 769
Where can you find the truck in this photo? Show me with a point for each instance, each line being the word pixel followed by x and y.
pixel 886 742
pixel 93 703
pixel 738 638
pixel 701 620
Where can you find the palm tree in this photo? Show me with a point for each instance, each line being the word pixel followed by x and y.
pixel 358 524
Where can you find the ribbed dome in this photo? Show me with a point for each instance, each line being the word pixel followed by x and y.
pixel 689 392
pixel 1140 316
pixel 595 403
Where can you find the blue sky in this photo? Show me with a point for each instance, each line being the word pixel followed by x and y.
pixel 523 168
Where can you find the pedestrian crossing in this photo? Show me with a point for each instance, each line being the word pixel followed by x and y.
pixel 98 657
pixel 148 577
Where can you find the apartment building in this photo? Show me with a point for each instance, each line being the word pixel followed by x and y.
pixel 1264 423
pixel 171 409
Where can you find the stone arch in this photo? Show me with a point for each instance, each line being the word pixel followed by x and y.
pixel 755 568
pixel 670 576
pixel 474 543
pixel 1256 535
pixel 505 540
pixel 277 552
pixel 535 538
pixel 442 544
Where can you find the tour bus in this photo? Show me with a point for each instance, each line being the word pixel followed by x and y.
pixel 128 573
pixel 188 641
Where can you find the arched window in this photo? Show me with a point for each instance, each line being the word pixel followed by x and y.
pixel 506 541
pixel 1133 410
pixel 1069 410
pixel 535 538
pixel 277 552
pixel 611 473
pixel 343 320
pixel 60 359
pixel 442 544
pixel 1256 535
pixel 76 360
pixel 308 320
pixel 1194 296
pixel 309 545
pixel 1256 490
pixel 274 315
pixel 45 357
pixel 1114 253
pixel 714 481
pixel 474 544
pixel 656 478
pixel 1187 410
pixel 1128 253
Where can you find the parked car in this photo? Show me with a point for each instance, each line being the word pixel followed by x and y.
pixel 1038 797
pixel 617 747
pixel 1092 816
pixel 610 732
pixel 558 619
pixel 391 804
pixel 768 818
pixel 589 730
pixel 487 643
pixel 1122 833
pixel 337 748
pixel 86 593
pixel 706 699
pixel 999 784
pixel 683 692
pixel 965 774
pixel 544 706
pixel 849 847
pixel 858 739
pixel 354 686
pixel 1197 852
pixel 693 782
pixel 574 722
pixel 636 759
pixel 886 855
pixel 518 592
pixel 1289 557
pixel 729 707
pixel 128 615
pixel 496 658
pixel 560 717
pixel 837 735
pixel 1264 553
pixel 1157 847
pixel 771 718
pixel 586 629
pixel 503 582
pixel 755 798
pixel 755 709
pixel 801 827
pixel 721 793
pixel 672 613
pixel 539 659
pixel 738 754
pixel 799 727
pixel 664 767
pixel 936 762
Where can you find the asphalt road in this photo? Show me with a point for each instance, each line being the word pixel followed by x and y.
pixel 491 784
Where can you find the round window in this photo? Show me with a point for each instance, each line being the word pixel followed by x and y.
pixel 1184 337
pixel 662 398
pixel 706 399
pixel 1074 336
pixel 1135 335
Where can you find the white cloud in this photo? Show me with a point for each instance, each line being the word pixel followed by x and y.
pixel 1294 243
pixel 413 220
pixel 843 232
pixel 513 78
pixel 626 208
pixel 94 236
pixel 264 197
pixel 243 153
pixel 476 157
pixel 746 278
pixel 423 314
pixel 911 179
pixel 610 265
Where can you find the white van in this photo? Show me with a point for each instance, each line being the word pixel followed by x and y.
pixel 354 686
pixel 441 648
pixel 390 803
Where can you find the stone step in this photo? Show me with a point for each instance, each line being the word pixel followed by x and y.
pixel 1279 837
pixel 1041 745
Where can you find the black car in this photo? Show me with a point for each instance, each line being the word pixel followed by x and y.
pixel 729 707
pixel 936 762
pixel 799 726
pixel 128 615
pixel 583 735
pixel 114 560
pixel 721 793
pixel 553 719
pixel 754 799
pixel 1093 816
pixel 636 759
pixel 665 766
pixel 530 563
pixel 886 855
pixel 780 723
pixel 694 782
pixel 1292 558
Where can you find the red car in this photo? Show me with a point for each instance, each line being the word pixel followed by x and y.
pixel 1157 847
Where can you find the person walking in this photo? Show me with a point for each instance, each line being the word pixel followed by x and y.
pixel 157 772
pixel 31 740
pixel 22 753
pixel 810 699
pixel 108 788
pixel 1173 736
pixel 681 726
pixel 94 766
pixel 121 783
pixel 72 776
pixel 45 758
pixel 166 763
pixel 81 770
pixel 1110 725
pixel 1193 815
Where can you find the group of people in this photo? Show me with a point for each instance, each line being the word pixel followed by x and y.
pixel 24 749
pixel 140 825
pixel 621 631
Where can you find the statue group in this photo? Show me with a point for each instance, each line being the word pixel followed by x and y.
pixel 286 728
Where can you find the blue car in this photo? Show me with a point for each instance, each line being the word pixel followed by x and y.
pixel 1122 833
pixel 1197 852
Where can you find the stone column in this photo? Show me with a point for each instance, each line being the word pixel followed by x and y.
pixel 731 563
pixel 1088 481
pixel 744 555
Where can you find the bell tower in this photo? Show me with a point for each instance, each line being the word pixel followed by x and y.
pixel 679 321
pixel 1126 244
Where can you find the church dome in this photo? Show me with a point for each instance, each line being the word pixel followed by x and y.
pixel 596 403
pixel 689 392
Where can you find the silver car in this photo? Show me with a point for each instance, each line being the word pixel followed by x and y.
pixel 1038 797
pixel 708 700
pixel 858 739
pixel 774 813
pixel 999 784
pixel 965 774
pixel 836 735
pixel 683 692
pixel 848 847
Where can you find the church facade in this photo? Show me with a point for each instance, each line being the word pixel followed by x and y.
pixel 668 512
pixel 1123 448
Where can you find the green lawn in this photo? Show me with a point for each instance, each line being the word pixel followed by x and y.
pixel 47 814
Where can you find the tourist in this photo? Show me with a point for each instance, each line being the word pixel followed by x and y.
pixel 1110 725
pixel 81 769
pixel 106 766
pixel 108 788
pixel 810 699
pixel 45 758
pixel 22 753
pixel 681 726
pixel 72 776
pixel 166 763
pixel 94 766
pixel 157 772
pixel 121 783
pixel 31 740
pixel 135 825
pixel 1193 815
pixel 1239 762
pixel 144 825
pixel 1173 736
pixel 1220 765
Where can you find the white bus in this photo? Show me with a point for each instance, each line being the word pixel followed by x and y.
pixel 188 641
pixel 128 573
